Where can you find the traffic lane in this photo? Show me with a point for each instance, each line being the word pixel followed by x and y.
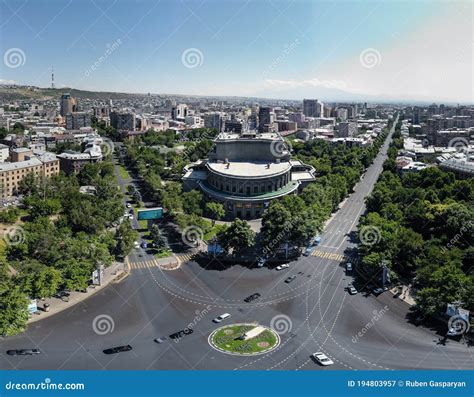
pixel 230 287
pixel 372 332
pixel 61 336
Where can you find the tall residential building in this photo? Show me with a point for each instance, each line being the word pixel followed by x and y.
pixel 313 108
pixel 265 117
pixel 179 111
pixel 77 120
pixel 213 120
pixel 123 121
pixel 68 104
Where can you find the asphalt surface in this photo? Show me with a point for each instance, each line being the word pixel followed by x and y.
pixel 312 313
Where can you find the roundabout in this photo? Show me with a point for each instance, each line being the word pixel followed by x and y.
pixel 245 339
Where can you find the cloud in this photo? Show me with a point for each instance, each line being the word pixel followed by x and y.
pixel 7 82
pixel 314 82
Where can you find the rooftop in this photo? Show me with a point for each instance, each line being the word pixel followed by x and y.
pixel 33 162
pixel 249 169
pixel 249 135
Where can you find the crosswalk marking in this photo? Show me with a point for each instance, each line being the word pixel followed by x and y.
pixel 329 255
pixel 154 263
pixel 185 257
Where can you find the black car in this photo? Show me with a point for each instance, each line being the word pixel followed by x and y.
pixel 23 352
pixel 118 349
pixel 252 297
pixel 290 279
pixel 180 334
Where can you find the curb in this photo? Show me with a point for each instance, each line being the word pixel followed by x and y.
pixel 115 279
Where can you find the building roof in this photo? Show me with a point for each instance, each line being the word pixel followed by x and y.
pixel 33 162
pixel 249 169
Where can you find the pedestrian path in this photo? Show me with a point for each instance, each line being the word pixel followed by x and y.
pixel 152 263
pixel 329 255
pixel 185 257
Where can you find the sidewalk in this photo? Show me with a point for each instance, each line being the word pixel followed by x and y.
pixel 405 293
pixel 116 271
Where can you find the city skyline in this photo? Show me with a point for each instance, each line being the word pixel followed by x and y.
pixel 398 52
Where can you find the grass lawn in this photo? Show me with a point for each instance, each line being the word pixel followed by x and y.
pixel 226 339
pixel 144 223
pixel 213 231
pixel 164 254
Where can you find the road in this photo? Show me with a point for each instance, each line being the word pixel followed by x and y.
pixel 314 311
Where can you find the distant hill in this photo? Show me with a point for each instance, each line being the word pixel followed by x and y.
pixel 10 93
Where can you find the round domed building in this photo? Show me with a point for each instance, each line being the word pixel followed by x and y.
pixel 246 171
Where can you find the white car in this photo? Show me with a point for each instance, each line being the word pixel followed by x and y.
pixel 130 216
pixel 136 244
pixel 322 359
pixel 284 266
pixel 222 317
pixel 128 205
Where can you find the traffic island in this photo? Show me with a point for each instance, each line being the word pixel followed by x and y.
pixel 244 339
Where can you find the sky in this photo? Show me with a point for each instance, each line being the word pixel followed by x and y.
pixel 332 50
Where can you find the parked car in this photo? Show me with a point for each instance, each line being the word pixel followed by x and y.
pixel 261 262
pixel 23 352
pixel 290 279
pixel 221 318
pixel 252 297
pixel 351 289
pixel 348 267
pixel 377 291
pixel 144 245
pixel 322 359
pixel 284 266
pixel 136 244
pixel 118 349
pixel 308 251
pixel 128 205
pixel 159 340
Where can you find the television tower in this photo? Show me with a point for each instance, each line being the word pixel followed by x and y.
pixel 52 77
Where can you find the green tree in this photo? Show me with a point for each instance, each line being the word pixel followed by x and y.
pixel 126 237
pixel 13 309
pixel 192 202
pixel 215 211
pixel 237 236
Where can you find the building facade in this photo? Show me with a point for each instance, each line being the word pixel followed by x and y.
pixel 246 172
pixel 11 174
